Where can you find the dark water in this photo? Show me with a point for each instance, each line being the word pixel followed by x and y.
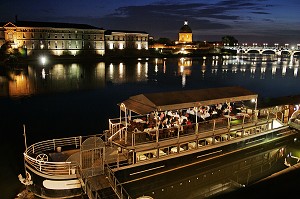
pixel 71 99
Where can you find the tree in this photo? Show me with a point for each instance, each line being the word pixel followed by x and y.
pixel 166 41
pixel 229 40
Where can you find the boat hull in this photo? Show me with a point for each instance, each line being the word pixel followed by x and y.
pixel 47 186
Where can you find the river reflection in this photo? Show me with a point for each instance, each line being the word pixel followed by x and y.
pixel 183 72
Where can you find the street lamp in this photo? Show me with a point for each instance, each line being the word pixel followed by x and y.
pixel 286 45
pixel 265 45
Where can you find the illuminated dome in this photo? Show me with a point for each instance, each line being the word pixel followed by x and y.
pixel 185 28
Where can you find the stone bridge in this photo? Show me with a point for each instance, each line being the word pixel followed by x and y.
pixel 265 50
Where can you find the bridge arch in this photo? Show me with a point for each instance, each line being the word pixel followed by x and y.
pixel 253 51
pixel 285 52
pixel 297 53
pixel 268 52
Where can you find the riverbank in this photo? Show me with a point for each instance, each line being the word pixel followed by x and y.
pixel 52 59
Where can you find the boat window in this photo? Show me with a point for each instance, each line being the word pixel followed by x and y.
pixel 174 149
pixel 232 134
pixel 217 138
pixel 258 130
pixel 209 140
pixel 153 153
pixel 238 133
pixel 161 153
pixel 165 150
pixel 264 127
pixel 247 131
pixel 184 146
pixel 192 145
pixel 145 155
pixel 201 142
pixel 224 137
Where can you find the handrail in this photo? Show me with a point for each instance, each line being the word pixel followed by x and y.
pixel 51 168
pixel 48 167
pixel 115 184
pixel 117 132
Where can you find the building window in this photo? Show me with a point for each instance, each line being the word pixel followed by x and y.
pixel 41 45
pixel 94 36
pixel 49 45
pixel 24 35
pixel 32 36
pixel 55 44
pixel 76 36
pixel 55 36
pixel 62 45
pixel 70 36
pixel 41 35
pixel 48 35
pixel 62 36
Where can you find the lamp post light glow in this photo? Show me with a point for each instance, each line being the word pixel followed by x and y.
pixel 286 45
pixel 254 101
pixel 43 60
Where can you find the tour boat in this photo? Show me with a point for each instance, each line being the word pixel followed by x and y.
pixel 156 133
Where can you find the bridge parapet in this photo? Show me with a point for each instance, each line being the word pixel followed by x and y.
pixel 262 49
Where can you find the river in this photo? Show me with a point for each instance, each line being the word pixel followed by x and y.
pixel 69 99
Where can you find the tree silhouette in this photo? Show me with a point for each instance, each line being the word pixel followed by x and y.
pixel 229 40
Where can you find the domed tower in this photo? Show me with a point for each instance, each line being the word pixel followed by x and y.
pixel 185 33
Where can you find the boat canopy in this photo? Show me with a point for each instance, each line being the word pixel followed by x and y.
pixel 176 100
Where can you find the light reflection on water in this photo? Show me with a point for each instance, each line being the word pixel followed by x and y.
pixel 181 73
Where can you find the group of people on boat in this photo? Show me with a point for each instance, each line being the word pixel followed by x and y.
pixel 182 120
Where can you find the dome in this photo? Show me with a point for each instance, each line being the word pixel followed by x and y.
pixel 185 28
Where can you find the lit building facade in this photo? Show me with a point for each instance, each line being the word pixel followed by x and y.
pixel 185 34
pixel 54 38
pixel 123 39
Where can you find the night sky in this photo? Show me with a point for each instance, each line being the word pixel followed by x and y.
pixel 270 21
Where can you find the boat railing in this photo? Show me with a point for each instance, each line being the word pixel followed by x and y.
pixel 116 123
pixel 51 168
pixel 51 145
pixel 120 135
pixel 115 184
pixel 140 136
pixel 215 138
pixel 38 156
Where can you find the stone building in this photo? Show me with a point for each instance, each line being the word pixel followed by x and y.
pixel 54 38
pixel 35 38
pixel 124 39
